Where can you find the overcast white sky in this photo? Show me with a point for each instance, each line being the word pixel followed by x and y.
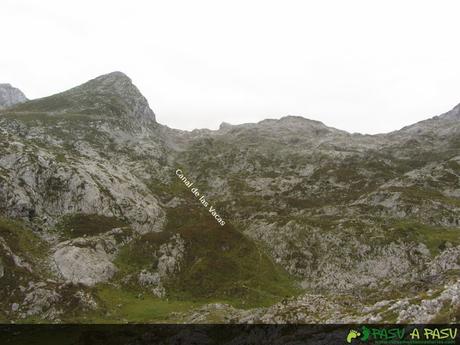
pixel 363 66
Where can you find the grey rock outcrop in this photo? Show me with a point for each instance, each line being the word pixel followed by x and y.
pixel 10 96
pixel 169 259
pixel 87 261
pixel 84 265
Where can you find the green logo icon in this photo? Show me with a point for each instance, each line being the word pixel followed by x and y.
pixel 352 335
pixel 386 335
pixel 366 332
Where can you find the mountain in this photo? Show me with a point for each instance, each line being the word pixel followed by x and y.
pixel 320 225
pixel 10 96
pixel 111 96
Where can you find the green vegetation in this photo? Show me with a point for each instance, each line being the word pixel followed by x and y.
pixel 78 224
pixel 220 264
pixel 121 306
pixel 45 119
pixel 27 246
pixel 390 316
pixel 140 254
pixel 447 314
pixel 167 190
pixel 416 195
pixel 22 241
pixel 435 238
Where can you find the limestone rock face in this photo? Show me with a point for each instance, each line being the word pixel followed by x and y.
pixel 42 187
pixel 10 96
pixel 81 262
pixel 84 265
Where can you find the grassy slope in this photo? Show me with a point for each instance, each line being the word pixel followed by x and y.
pixel 435 238
pixel 221 265
pixel 29 247
pixel 77 225
pixel 124 305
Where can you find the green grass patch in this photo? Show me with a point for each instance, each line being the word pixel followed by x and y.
pixel 126 306
pixel 30 248
pixel 416 195
pixel 435 238
pixel 21 240
pixel 78 224
pixel 220 263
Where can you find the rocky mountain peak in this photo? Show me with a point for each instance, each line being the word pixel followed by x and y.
pixel 112 96
pixel 114 81
pixel 10 96
pixel 117 88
